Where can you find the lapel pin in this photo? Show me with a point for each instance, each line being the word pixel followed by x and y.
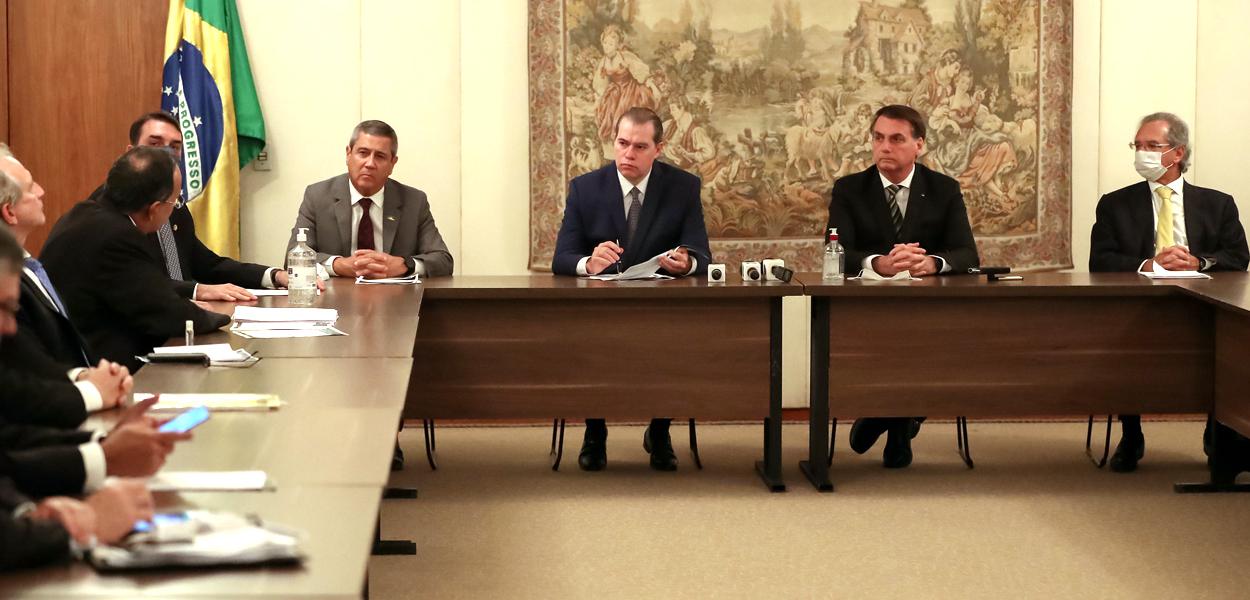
pixel 390 218
pixel 175 228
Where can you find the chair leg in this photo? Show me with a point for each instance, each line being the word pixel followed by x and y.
pixel 694 445
pixel 961 441
pixel 427 427
pixel 557 445
pixel 833 436
pixel 1106 448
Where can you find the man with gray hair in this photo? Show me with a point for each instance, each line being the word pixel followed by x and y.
pixel 1164 223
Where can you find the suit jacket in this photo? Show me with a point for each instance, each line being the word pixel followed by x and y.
pixel 199 263
pixel 42 461
pixel 935 218
pixel 40 400
pixel 27 542
pixel 115 286
pixel 1124 230
pixel 672 215
pixel 46 342
pixel 408 227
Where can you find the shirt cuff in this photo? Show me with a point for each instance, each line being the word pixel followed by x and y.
pixel 694 264
pixel 581 266
pixel 194 290
pixel 329 265
pixel 867 264
pixel 94 465
pixel 418 267
pixel 943 266
pixel 74 373
pixel 91 398
pixel 266 280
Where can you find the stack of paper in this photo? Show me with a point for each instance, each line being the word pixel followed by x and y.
pixel 1161 273
pixel 268 323
pixel 218 354
pixel 209 481
pixel 323 316
pixel 409 280
pixel 214 402
pixel 642 270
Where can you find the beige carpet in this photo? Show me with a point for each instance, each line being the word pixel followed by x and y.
pixel 1034 519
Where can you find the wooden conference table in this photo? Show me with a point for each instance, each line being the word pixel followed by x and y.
pixel 1051 344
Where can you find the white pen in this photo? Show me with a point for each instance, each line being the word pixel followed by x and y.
pixel 189 333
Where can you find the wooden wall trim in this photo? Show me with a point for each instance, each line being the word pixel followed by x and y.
pixel 4 71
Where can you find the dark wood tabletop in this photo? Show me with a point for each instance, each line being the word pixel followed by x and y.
pixel 1032 285
pixel 547 286
pixel 338 523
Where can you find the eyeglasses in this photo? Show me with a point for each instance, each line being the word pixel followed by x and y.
pixel 1151 146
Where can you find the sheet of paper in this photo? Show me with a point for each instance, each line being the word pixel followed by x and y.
pixel 642 270
pixel 273 334
pixel 870 275
pixel 215 352
pixel 214 402
pixel 209 481
pixel 1162 273
pixel 257 313
pixel 262 293
pixel 265 325
pixel 409 280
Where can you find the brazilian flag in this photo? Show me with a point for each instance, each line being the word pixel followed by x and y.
pixel 208 88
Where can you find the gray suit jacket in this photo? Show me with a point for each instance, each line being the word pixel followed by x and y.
pixel 407 225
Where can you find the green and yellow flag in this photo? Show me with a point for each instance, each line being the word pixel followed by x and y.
pixel 208 88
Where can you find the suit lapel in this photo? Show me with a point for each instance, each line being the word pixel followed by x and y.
pixel 32 288
pixel 916 205
pixel 878 205
pixel 390 215
pixel 650 208
pixel 1143 215
pixel 611 193
pixel 343 214
pixel 1192 202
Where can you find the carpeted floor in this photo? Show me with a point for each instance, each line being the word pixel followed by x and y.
pixel 1035 519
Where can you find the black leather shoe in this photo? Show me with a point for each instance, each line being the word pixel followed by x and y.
pixel 864 433
pixel 1127 453
pixel 397 459
pixel 897 453
pixel 1225 472
pixel 594 454
pixel 660 447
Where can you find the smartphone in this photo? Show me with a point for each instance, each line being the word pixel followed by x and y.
pixel 161 519
pixel 186 421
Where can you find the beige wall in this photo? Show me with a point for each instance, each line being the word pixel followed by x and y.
pixel 451 76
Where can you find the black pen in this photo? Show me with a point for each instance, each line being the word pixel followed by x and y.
pixel 618 256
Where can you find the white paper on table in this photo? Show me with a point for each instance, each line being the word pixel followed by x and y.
pixel 213 402
pixel 409 280
pixel 870 275
pixel 209 481
pixel 273 334
pixel 265 325
pixel 257 313
pixel 643 270
pixel 217 353
pixel 269 292
pixel 1162 273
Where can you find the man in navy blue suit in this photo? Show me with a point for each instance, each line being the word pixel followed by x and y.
pixel 623 214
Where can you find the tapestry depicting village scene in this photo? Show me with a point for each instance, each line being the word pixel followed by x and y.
pixel 770 101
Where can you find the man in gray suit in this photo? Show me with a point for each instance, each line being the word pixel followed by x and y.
pixel 398 238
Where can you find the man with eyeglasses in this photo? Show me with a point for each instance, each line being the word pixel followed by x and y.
pixel 1165 223
pixel 110 278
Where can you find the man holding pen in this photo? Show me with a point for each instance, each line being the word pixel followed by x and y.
pixel 623 214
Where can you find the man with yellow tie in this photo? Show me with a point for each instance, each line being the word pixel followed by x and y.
pixel 1163 222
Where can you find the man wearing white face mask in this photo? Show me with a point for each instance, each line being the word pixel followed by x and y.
pixel 1163 222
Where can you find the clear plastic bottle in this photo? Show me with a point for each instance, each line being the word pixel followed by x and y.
pixel 301 271
pixel 835 259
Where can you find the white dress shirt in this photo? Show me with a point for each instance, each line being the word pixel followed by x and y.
pixel 375 215
pixel 626 188
pixel 902 198
pixel 1179 236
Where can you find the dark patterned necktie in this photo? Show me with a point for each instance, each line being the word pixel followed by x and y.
pixel 364 233
pixel 169 248
pixel 635 211
pixel 896 215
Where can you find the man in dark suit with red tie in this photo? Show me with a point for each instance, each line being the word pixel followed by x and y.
pixel 623 214
pixel 896 216
pixel 1169 223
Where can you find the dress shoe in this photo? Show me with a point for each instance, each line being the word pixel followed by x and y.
pixel 1225 471
pixel 660 446
pixel 897 453
pixel 1130 450
pixel 864 433
pixel 594 454
pixel 397 459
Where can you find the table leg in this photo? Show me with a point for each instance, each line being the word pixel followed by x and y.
pixel 816 467
pixel 769 469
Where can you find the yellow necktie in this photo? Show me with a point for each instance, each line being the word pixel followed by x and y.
pixel 1163 235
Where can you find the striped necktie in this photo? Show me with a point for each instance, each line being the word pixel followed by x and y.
pixel 896 215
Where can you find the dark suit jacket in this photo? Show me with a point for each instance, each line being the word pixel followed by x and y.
pixel 46 343
pixel 39 400
pixel 115 286
pixel 27 542
pixel 1124 231
pixel 935 218
pixel 42 461
pixel 672 215
pixel 408 227
pixel 199 263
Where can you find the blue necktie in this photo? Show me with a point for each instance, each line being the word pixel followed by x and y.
pixel 36 267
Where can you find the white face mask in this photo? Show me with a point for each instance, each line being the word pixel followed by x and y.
pixel 1150 164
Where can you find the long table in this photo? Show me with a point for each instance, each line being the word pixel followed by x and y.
pixel 542 346
pixel 1051 344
